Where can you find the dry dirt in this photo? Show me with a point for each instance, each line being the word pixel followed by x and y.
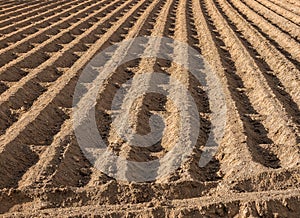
pixel 253 45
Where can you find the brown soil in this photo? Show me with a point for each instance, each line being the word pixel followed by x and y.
pixel 253 45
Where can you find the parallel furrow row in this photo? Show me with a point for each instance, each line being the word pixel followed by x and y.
pixel 80 45
pixel 281 41
pixel 185 31
pixel 282 76
pixel 106 126
pixel 13 23
pixel 293 17
pixel 253 47
pixel 47 49
pixel 14 6
pixel 51 49
pixel 67 130
pixel 41 107
pixel 119 76
pixel 261 96
pixel 14 39
pixel 51 54
pixel 287 6
pixel 277 20
pixel 239 124
pixel 16 17
pixel 6 4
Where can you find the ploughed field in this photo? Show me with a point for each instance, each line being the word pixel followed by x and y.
pixel 252 45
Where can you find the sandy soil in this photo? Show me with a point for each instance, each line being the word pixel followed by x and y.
pixel 252 45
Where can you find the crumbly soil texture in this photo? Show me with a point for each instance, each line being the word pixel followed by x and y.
pixel 252 45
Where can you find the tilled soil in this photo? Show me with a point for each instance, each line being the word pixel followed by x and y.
pixel 252 45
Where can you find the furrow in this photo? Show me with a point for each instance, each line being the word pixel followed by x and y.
pixel 237 137
pixel 119 75
pixel 278 70
pixel 245 76
pixel 139 115
pixel 183 33
pixel 260 94
pixel 14 18
pixel 43 101
pixel 293 17
pixel 9 3
pixel 277 20
pixel 61 36
pixel 13 6
pixel 52 149
pixel 281 41
pixel 22 35
pixel 2 2
pixel 287 6
pixel 55 55
pixel 13 23
pixel 22 88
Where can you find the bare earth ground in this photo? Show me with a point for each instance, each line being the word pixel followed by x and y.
pixel 253 45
